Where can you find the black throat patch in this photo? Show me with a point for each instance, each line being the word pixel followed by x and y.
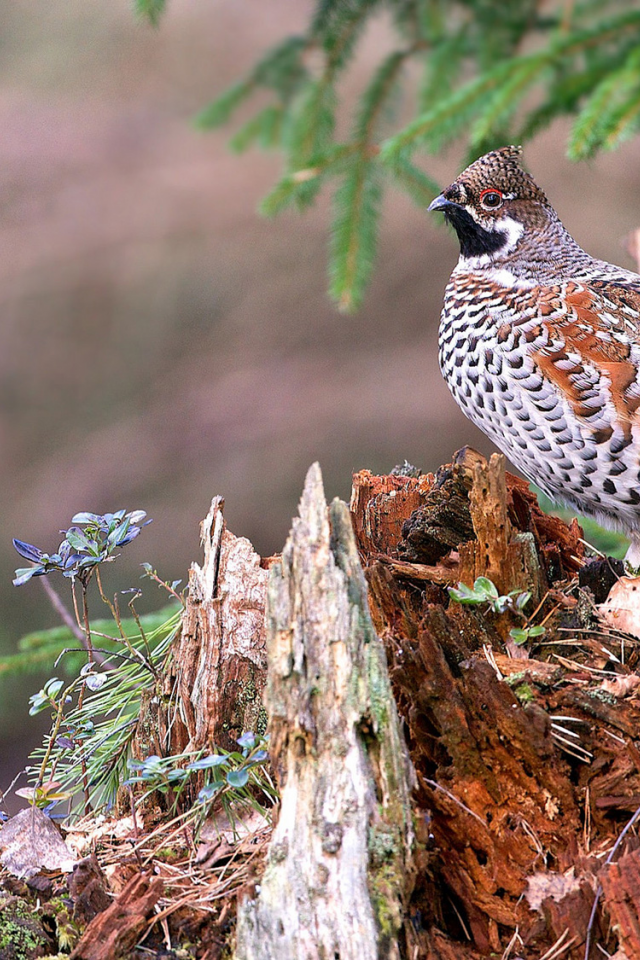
pixel 474 239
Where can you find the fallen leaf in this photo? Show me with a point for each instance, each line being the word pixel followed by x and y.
pixel 621 686
pixel 244 824
pixel 621 609
pixel 86 834
pixel 30 842
pixel 543 886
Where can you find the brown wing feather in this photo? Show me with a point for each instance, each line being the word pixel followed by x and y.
pixel 600 323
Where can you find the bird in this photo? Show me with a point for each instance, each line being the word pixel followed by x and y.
pixel 539 343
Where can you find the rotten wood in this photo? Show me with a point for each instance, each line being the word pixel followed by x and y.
pixel 508 558
pixel 621 887
pixel 88 890
pixel 114 933
pixel 444 519
pixel 495 784
pixel 380 506
pixel 338 870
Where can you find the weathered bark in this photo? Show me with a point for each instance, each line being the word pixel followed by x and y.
pixel 220 654
pixel 336 879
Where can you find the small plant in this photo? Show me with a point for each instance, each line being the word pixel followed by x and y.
pixel 228 775
pixel 91 540
pixel 96 712
pixel 484 591
pixel 521 635
pixel 92 743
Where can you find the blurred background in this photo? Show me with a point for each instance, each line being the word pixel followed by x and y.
pixel 160 342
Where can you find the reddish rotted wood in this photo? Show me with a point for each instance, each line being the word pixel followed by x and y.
pixel 508 558
pixel 621 892
pixel 495 791
pixel 380 505
pixel 114 933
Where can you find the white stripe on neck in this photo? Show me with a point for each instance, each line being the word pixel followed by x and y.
pixel 511 229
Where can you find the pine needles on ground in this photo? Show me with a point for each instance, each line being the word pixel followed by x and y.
pixel 489 77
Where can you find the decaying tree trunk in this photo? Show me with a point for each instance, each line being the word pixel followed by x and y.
pixel 338 868
pixel 220 654
pixel 525 758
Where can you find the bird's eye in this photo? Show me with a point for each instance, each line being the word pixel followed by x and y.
pixel 491 199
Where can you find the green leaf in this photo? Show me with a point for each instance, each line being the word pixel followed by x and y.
pixel 24 574
pixel 464 594
pixel 53 687
pixel 77 539
pixel 38 703
pixel 206 763
pixel 486 587
pixel 209 791
pixel 238 778
pixel 519 635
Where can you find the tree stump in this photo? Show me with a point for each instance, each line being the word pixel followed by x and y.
pixel 220 652
pixel 525 759
pixel 338 868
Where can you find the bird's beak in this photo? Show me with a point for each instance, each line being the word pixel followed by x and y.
pixel 441 203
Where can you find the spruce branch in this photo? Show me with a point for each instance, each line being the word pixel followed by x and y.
pixel 150 10
pixel 413 181
pixel 488 78
pixel 607 107
pixel 354 234
pixel 288 190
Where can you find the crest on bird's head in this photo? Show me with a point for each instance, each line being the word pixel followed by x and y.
pixel 492 202
pixel 499 172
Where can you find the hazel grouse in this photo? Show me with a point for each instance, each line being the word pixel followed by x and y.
pixel 540 343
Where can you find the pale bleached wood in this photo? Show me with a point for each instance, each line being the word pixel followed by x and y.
pixel 338 869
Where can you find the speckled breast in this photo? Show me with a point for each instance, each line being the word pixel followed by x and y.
pixel 529 372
